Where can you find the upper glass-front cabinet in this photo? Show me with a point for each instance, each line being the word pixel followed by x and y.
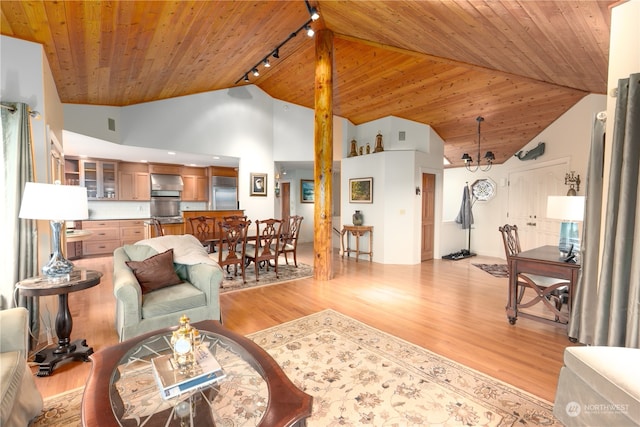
pixel 100 178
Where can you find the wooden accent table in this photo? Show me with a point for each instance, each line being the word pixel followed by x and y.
pixel 77 280
pixel 122 391
pixel 543 261
pixel 356 231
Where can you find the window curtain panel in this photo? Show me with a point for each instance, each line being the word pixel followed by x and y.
pixel 607 304
pixel 20 236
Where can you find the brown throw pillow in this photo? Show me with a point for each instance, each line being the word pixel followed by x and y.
pixel 155 272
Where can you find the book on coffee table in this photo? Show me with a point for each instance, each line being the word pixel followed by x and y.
pixel 172 382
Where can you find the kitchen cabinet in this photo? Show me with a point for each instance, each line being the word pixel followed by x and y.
pixel 104 238
pixel 195 188
pixel 72 172
pixel 133 182
pixel 100 179
pixel 165 169
pixel 131 231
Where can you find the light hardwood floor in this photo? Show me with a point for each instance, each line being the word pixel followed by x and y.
pixel 449 307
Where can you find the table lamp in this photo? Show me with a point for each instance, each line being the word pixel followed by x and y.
pixel 569 209
pixel 57 203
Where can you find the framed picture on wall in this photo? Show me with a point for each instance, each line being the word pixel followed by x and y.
pixel 361 190
pixel 258 184
pixel 307 191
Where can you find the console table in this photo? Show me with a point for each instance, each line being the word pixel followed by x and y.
pixel 39 286
pixel 357 231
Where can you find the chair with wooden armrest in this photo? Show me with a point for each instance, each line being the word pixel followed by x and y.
pixel 547 289
pixel 203 228
pixel 232 245
pixel 266 247
pixel 289 239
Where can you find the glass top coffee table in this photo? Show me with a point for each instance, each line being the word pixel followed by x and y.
pixel 122 389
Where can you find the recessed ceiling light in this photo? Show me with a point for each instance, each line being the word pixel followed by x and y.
pixel 192 164
pixel 171 153
pixel 216 158
pixel 143 161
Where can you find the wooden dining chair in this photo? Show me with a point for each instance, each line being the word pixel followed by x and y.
pixel 203 227
pixel 266 246
pixel 232 243
pixel 157 227
pixel 233 217
pixel 552 291
pixel 289 239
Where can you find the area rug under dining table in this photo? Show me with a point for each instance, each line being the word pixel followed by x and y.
pixel 359 375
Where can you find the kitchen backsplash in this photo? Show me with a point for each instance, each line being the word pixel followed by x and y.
pixel 131 210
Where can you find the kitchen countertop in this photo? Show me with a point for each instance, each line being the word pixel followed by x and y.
pixel 77 235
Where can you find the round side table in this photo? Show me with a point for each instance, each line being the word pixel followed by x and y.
pixel 38 286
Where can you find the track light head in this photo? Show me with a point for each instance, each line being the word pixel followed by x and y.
pixel 310 31
pixel 266 63
pixel 255 72
pixel 246 78
pixel 313 12
pixel 276 54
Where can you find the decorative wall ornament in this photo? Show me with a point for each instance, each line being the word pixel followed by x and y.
pixel 531 154
pixel 353 151
pixel 378 148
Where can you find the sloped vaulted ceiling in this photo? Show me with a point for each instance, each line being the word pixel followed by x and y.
pixel 518 63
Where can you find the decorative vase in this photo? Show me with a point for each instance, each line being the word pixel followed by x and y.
pixel 354 148
pixel 358 218
pixel 368 148
pixel 378 148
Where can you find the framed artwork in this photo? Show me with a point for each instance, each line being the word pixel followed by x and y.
pixel 258 184
pixel 361 190
pixel 307 191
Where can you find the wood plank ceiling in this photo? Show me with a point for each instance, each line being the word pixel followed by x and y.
pixel 518 63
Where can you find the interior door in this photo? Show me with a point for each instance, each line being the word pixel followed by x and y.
pixel 428 215
pixel 528 191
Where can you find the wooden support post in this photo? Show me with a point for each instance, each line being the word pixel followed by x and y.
pixel 323 159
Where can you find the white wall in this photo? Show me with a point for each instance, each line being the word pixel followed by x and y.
pixel 395 213
pixel 568 138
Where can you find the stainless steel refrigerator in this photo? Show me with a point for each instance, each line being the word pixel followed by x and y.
pixel 224 193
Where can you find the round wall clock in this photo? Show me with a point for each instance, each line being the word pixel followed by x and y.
pixel 483 189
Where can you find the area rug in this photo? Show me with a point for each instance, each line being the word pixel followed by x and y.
pixel 496 270
pixel 359 375
pixel 286 272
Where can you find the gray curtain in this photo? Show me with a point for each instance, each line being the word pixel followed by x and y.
pixel 20 237
pixel 606 308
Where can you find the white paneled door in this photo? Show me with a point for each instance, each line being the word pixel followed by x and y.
pixel 528 191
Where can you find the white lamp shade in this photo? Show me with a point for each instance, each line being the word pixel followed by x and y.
pixel 566 208
pixel 54 202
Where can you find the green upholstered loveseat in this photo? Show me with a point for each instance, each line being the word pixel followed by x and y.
pixel 21 400
pixel 197 296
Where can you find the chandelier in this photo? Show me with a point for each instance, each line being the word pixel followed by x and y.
pixel 489 157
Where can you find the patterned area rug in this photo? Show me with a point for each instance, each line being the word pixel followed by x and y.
pixel 359 375
pixel 496 270
pixel 286 273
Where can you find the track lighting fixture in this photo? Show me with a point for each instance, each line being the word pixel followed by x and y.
pixel 489 157
pixel 310 31
pixel 275 53
pixel 313 12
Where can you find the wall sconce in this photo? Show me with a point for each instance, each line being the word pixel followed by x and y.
pixel 418 192
pixel 573 182
pixel 276 190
